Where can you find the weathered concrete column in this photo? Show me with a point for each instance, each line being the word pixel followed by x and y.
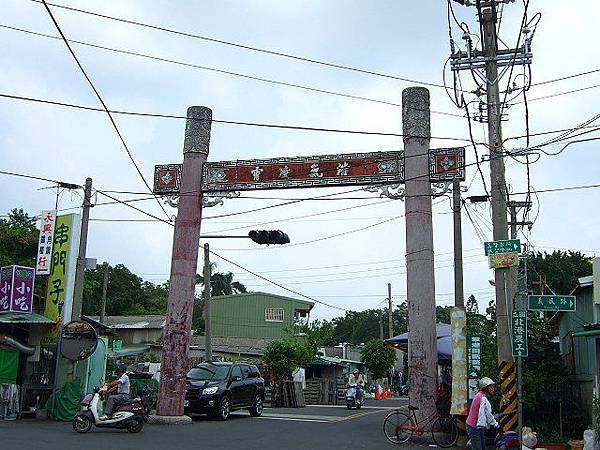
pixel 422 339
pixel 177 331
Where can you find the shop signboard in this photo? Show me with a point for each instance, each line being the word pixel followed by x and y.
pixel 474 352
pixel 61 279
pixel 44 255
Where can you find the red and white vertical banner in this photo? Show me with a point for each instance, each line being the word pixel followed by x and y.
pixel 44 255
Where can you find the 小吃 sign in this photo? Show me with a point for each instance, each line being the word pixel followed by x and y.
pixel 44 254
pixel 16 289
pixel 505 246
pixel 552 303
pixel 519 333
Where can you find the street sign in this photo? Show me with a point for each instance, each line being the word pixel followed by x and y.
pixel 503 260
pixel 519 333
pixel 552 302
pixel 507 246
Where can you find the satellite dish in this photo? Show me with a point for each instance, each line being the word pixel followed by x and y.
pixel 78 340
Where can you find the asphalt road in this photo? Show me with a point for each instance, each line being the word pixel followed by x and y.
pixel 310 428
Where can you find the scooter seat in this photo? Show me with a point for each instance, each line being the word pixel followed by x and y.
pixel 130 401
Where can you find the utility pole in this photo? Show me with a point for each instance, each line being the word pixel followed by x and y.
pixel 81 261
pixel 104 289
pixel 381 326
pixel 459 296
pixel 390 317
pixel 207 331
pixel 505 288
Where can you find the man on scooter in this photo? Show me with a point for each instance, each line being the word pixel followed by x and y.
pixel 356 379
pixel 121 385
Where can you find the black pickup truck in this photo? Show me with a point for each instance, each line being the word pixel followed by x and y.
pixel 217 388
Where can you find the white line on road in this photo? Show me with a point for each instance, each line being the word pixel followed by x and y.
pixel 294 419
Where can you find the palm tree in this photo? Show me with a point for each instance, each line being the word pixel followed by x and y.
pixel 221 283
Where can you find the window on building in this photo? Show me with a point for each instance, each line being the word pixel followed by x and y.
pixel 274 315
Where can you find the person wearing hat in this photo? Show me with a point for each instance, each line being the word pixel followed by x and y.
pixel 480 414
pixel 121 385
pixel 356 379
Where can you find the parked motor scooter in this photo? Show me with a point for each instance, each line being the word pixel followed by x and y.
pixel 353 400
pixel 128 414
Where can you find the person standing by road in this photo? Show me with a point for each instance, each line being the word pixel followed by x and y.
pixel 480 415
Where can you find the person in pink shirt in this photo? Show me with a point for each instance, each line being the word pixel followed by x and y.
pixel 480 414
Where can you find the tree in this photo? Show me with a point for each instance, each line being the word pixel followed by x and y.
pixel 283 356
pixel 126 294
pixel 442 314
pixel 221 283
pixel 18 239
pixel 357 327
pixel 312 336
pixel 559 271
pixel 378 358
pixel 472 307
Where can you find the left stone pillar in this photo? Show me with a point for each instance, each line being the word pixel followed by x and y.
pixel 184 261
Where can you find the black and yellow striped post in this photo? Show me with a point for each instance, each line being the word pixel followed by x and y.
pixel 509 401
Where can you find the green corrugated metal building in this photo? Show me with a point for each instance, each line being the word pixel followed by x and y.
pixel 256 315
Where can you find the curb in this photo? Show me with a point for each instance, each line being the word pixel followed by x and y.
pixel 155 419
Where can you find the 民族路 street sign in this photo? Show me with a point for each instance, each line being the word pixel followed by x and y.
pixel 507 246
pixel 552 302
pixel 519 333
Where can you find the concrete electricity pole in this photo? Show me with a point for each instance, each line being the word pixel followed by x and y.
pixel 390 317
pixel 81 261
pixel 207 330
pixel 420 280
pixel 178 322
pixel 459 296
pixel 505 286
pixel 104 289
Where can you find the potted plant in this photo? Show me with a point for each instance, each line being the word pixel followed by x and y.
pixel 552 441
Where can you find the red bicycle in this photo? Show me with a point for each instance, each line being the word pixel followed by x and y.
pixel 399 427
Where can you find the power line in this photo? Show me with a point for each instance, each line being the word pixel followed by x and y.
pixel 112 121
pixel 245 47
pixel 226 122
pixel 220 71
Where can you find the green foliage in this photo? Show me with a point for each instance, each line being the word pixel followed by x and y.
pixel 18 239
pixel 596 416
pixel 283 356
pixel 152 357
pixel 126 294
pixel 312 336
pixel 560 270
pixel 442 314
pixel 357 327
pixel 378 358
pixel 221 283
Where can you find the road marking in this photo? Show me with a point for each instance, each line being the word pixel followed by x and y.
pixel 381 408
pixel 294 419
pixel 356 416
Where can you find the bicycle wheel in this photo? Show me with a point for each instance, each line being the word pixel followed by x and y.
pixel 444 432
pixel 398 427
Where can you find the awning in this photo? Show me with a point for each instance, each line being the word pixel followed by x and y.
pixel 444 342
pixel 129 351
pixel 16 317
pixel 586 333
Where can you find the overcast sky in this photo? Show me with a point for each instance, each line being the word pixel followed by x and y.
pixel 401 38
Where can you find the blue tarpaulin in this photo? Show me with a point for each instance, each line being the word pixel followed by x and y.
pixel 444 342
